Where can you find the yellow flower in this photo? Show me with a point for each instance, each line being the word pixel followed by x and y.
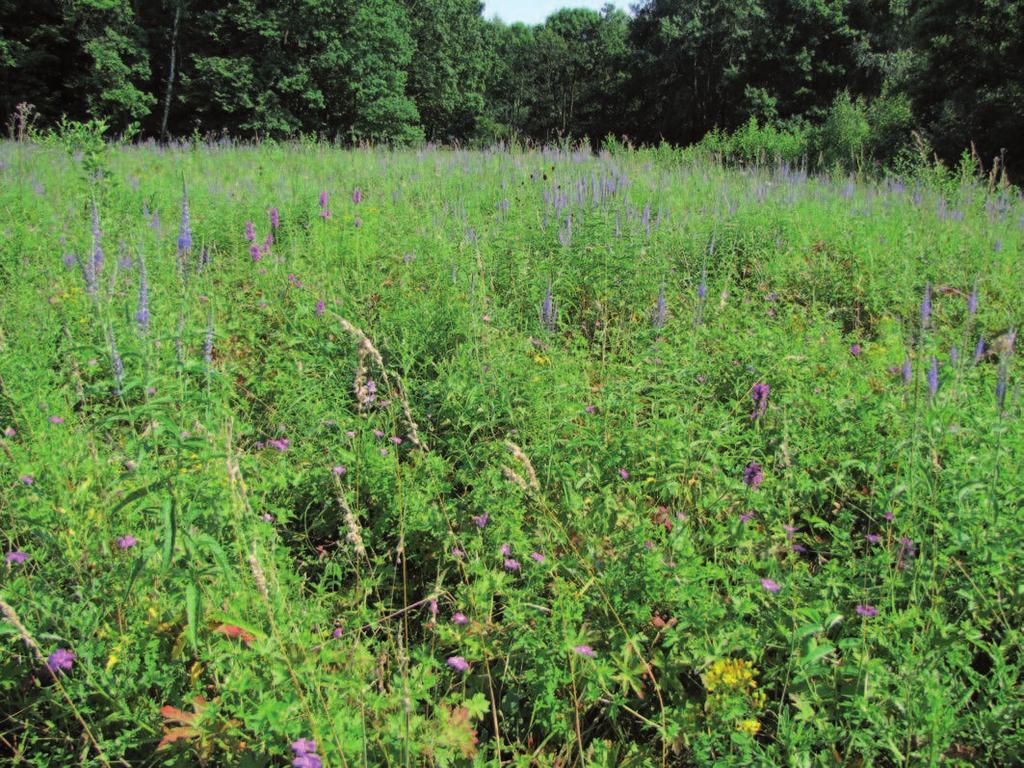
pixel 749 726
pixel 111 661
pixel 540 359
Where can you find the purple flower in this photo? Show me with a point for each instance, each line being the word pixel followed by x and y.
pixel 458 553
pixel 16 557
pixel 506 549
pixel 357 195
pixel 746 517
pixel 954 355
pixel 591 409
pixel 142 314
pixel 752 475
pixel 310 760
pixel 926 305
pixel 872 538
pixel 511 564
pixel 185 231
pixel 979 350
pixel 323 199
pixel 395 440
pixel 378 434
pixel 458 663
pixel 972 300
pixel 460 618
pixel 538 557
pixel 127 542
pixel 254 251
pixel 338 632
pixel 933 377
pixel 889 516
pixel 480 520
pixel 585 650
pixel 60 660
pixel 798 549
pixel 855 350
pixel 275 218
pixel 867 611
pixel 27 479
pixel 303 746
pixel 339 470
pixel 623 474
pixel 10 431
pixel 907 370
pixel 771 586
pixel 548 312
pixel 320 308
pixel 56 420
pixel 660 313
pixel 250 231
pixel 759 394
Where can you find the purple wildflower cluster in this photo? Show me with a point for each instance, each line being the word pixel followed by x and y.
pixel 759 394
pixel 305 754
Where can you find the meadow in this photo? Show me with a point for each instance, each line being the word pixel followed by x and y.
pixel 323 457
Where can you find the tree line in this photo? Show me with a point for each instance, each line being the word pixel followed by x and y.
pixel 856 76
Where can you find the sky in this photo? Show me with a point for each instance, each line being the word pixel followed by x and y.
pixel 535 11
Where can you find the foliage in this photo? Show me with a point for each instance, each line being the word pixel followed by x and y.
pixel 539 543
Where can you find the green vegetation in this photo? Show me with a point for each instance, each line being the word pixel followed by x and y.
pixel 848 81
pixel 519 458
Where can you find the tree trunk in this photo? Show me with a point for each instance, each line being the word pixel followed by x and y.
pixel 170 77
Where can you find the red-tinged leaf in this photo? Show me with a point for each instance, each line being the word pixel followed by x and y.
pixel 172 735
pixel 235 633
pixel 175 715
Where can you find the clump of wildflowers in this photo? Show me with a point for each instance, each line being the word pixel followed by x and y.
pixel 759 394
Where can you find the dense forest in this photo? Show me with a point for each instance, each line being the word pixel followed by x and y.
pixel 851 79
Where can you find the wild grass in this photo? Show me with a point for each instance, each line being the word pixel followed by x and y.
pixel 530 541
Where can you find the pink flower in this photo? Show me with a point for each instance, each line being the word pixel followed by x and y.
pixel 623 474
pixel 338 632
pixel 320 308
pixel 538 557
pixel 27 479
pixel 460 618
pixel 585 650
pixel 511 565
pixel 458 663
pixel 10 432
pixel 339 470
pixel 867 611
pixel 481 520
pixel 506 549
pixel 127 542
pixel 771 586
pixel 591 409
pixel 56 420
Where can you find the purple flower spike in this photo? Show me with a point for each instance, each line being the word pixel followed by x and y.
pixel 16 557
pixel 458 663
pixel 275 218
pixel 250 231
pixel 867 611
pixel 185 231
pixel 753 475
pixel 771 586
pixel 320 308
pixel 481 520
pixel 979 350
pixel 907 371
pixel 310 760
pixel 303 746
pixel 61 660
pixel 759 394
pixel 127 542
pixel 585 650
pixel 926 305
pixel 357 195
pixel 933 377
pixel 972 300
